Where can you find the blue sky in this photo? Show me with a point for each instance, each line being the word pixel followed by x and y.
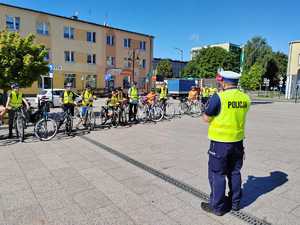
pixel 189 23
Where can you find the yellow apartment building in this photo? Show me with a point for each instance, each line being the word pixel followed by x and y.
pixel 293 70
pixel 82 52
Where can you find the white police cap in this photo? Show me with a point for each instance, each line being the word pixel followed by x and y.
pixel 230 75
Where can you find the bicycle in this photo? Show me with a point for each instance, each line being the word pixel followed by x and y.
pixel 152 113
pixel 124 112
pixel 45 128
pixel 192 108
pixel 109 113
pixel 68 121
pixel 167 108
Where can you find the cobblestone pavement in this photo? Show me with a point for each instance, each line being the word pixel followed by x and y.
pixel 72 181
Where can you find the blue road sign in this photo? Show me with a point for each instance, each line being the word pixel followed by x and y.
pixel 51 68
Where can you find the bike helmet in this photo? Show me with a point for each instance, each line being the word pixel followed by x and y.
pixel 15 85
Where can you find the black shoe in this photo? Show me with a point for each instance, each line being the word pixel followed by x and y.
pixel 206 207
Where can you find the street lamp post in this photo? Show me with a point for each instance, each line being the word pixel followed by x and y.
pixel 134 58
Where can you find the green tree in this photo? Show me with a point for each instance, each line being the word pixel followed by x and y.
pixel 164 68
pixel 209 60
pixel 251 80
pixel 256 50
pixel 21 60
pixel 282 62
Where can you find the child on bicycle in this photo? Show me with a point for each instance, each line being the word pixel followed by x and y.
pixel 193 95
pixel 14 102
pixel 151 97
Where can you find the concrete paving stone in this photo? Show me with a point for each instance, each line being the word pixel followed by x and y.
pixel 188 215
pixel 76 184
pixel 31 165
pixel 296 211
pixel 107 185
pixel 154 193
pixel 6 155
pixel 93 173
pixel 23 154
pixel 121 173
pixel 44 185
pixel 93 156
pixel 10 173
pixel 67 157
pixel 13 184
pixel 52 161
pixel 64 173
pixel 190 199
pixel 106 164
pixel 17 199
pixel 168 203
pixel 108 213
pixel 292 194
pixel 91 199
pixel 167 187
pixel 146 215
pixel 80 164
pixel 139 185
pixel 127 200
pixel 72 214
pixel 37 174
pixel 276 217
pixel 54 200
pixel 32 215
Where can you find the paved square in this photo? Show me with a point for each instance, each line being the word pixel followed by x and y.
pixel 73 181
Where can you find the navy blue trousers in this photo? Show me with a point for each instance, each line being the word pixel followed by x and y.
pixel 225 160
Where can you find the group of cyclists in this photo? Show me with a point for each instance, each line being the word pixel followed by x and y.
pixel 117 99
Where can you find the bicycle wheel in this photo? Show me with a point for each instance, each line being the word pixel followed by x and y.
pixel 169 111
pixel 196 109
pixel 183 108
pixel 69 125
pixel 20 126
pixel 45 129
pixel 156 114
pixel 115 118
pixel 92 120
pixel 103 117
pixel 142 113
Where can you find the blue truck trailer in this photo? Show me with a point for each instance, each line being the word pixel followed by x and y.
pixel 180 87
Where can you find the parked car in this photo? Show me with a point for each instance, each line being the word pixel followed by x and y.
pixel 57 93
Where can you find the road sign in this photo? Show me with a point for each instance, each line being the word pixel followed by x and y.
pixel 51 68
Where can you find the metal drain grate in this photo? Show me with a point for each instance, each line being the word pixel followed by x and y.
pixel 246 217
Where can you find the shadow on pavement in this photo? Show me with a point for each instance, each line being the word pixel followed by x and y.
pixel 258 186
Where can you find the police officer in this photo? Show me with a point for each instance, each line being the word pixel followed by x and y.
pixel 226 115
pixel 14 102
pixel 133 95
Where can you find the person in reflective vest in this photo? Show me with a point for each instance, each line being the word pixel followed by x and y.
pixel 205 95
pixel 133 95
pixel 226 115
pixel 163 96
pixel 14 102
pixel 68 99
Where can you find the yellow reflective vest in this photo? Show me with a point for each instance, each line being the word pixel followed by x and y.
pixel 68 97
pixel 16 100
pixel 87 95
pixel 163 93
pixel 134 95
pixel 229 124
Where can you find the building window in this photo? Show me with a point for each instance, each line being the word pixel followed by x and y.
pixel 70 78
pixel 42 28
pixel 110 40
pixel 143 63
pixel 110 60
pixel 12 23
pixel 91 80
pixel 127 43
pixel 91 37
pixel 91 58
pixel 69 32
pixel 143 45
pixel 127 62
pixel 69 56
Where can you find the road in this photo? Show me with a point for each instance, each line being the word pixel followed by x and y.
pixel 81 180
